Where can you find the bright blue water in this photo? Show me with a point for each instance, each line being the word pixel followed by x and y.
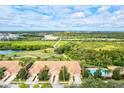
pixel 104 73
pixel 8 51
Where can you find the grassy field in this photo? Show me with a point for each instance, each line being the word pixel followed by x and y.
pixel 49 54
pixel 28 42
pixel 44 54
pixel 86 45
pixel 97 45
pixel 41 54
pixel 102 45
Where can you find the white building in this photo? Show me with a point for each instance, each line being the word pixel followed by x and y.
pixel 50 37
pixel 8 36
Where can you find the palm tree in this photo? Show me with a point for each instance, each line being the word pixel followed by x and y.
pixel 64 75
pixel 1 73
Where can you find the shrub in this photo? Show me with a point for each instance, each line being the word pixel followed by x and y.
pixel 116 74
pixel 86 73
pixel 97 83
pixel 59 50
pixel 46 85
pixel 36 86
pixel 23 85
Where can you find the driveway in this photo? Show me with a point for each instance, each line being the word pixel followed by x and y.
pixel 3 80
pixel 77 79
pixel 9 80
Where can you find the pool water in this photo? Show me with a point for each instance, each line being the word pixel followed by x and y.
pixel 9 51
pixel 103 72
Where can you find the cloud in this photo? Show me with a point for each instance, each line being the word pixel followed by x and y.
pixel 103 9
pixel 62 17
pixel 78 15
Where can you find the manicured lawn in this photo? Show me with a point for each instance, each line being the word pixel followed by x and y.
pixel 44 54
pixel 29 42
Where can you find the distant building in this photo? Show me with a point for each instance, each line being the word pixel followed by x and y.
pixel 8 36
pixel 50 37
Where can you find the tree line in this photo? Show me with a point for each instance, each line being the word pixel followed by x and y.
pixel 10 46
pixel 92 57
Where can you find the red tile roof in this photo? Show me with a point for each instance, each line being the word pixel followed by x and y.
pixel 12 66
pixel 55 66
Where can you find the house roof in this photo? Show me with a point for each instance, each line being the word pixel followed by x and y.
pixel 12 67
pixel 55 66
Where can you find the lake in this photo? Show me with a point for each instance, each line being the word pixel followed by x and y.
pixel 9 51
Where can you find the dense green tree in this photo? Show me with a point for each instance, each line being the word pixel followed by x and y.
pixel 77 51
pixel 43 75
pixel 22 45
pixel 59 50
pixel 80 35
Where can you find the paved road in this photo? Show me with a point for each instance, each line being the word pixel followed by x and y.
pixel 56 43
pixel 66 57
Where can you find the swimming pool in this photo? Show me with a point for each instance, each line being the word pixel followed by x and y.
pixel 103 72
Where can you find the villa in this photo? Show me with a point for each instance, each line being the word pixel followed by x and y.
pixel 13 67
pixel 54 69
pixel 55 66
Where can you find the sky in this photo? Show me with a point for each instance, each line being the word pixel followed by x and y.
pixel 61 18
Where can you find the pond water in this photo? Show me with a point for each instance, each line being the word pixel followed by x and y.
pixel 9 51
pixel 103 72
